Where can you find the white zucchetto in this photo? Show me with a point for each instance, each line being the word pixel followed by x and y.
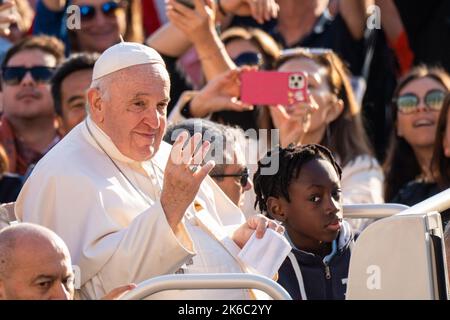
pixel 124 55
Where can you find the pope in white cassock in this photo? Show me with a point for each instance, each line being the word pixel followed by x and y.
pixel 129 206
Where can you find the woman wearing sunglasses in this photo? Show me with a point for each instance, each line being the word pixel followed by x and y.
pixel 101 23
pixel 331 118
pixel 417 101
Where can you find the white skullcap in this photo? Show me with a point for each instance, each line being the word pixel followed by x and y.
pixel 124 55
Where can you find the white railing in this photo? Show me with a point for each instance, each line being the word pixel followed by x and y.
pixel 207 281
pixel 439 202
pixel 372 211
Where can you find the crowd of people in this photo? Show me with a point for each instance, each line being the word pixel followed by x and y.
pixel 125 147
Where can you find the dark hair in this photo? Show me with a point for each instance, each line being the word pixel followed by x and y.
pixel 266 45
pixel 401 165
pixel 74 63
pixel 46 44
pixel 291 160
pixel 440 164
pixel 346 137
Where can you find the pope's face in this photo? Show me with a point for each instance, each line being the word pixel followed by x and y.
pixel 131 109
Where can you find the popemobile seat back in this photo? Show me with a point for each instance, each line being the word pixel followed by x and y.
pixel 400 257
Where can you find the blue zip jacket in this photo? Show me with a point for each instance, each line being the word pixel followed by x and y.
pixel 321 278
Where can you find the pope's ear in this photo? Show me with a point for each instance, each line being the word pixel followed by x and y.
pixel 275 209
pixel 96 108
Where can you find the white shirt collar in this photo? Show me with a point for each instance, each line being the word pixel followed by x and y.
pixel 106 143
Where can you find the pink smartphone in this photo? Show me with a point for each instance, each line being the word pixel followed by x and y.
pixel 273 87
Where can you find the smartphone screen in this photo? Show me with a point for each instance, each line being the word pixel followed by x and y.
pixel 273 88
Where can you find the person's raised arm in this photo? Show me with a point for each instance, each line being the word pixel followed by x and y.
pixel 169 40
pixel 395 33
pixel 6 20
pixel 354 13
pixel 199 26
pixel 55 5
pixel 219 94
pixel 260 10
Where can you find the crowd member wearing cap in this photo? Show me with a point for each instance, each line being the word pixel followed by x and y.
pixel 69 85
pixel 128 206
pixel 35 264
pixel 27 129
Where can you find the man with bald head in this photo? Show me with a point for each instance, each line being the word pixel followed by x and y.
pixel 128 206
pixel 34 264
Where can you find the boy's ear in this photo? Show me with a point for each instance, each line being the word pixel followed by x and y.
pixel 275 209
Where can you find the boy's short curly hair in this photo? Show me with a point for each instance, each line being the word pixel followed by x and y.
pixel 291 160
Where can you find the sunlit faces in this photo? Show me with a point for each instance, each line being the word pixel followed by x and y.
pixel 321 96
pixel 313 214
pixel 73 98
pixel 419 128
pixel 29 99
pixel 101 31
pixel 131 107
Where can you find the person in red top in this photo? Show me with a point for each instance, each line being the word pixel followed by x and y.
pixel 27 125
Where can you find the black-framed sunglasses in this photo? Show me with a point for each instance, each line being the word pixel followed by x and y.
pixel 244 176
pixel 409 103
pixel 15 75
pixel 109 9
pixel 248 59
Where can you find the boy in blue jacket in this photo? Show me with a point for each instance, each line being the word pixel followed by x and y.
pixel 305 195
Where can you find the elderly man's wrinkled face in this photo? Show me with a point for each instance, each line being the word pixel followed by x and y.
pixel 131 107
pixel 38 270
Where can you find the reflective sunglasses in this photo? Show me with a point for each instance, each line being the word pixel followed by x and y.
pixel 409 102
pixel 248 59
pixel 15 75
pixel 108 9
pixel 244 176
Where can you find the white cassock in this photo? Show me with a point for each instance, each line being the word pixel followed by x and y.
pixel 117 233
